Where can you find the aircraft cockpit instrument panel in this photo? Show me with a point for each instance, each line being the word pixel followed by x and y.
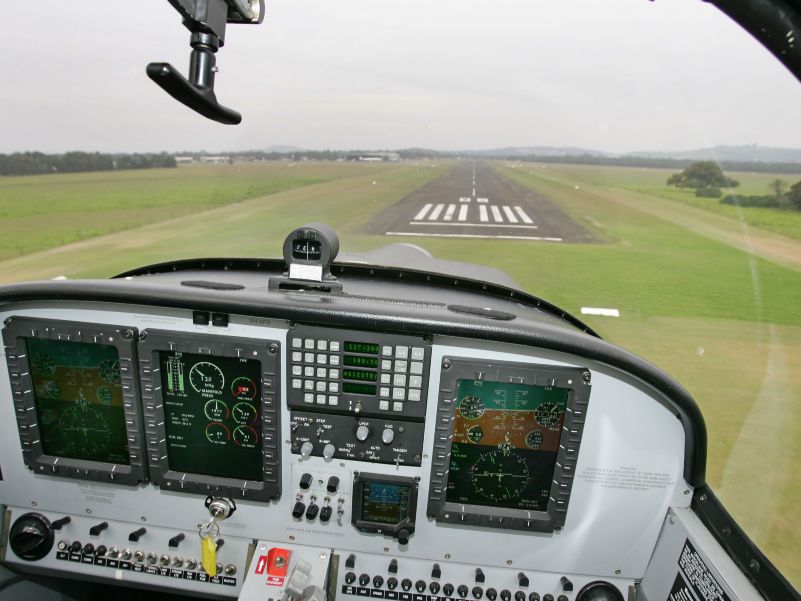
pixel 337 438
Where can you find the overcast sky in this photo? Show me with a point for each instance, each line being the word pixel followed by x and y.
pixel 614 75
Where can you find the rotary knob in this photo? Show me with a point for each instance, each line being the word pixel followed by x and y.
pixel 31 537
pixel 387 436
pixel 362 432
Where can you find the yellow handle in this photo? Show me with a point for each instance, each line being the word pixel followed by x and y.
pixel 208 555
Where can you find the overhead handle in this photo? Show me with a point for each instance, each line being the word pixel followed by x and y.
pixel 206 19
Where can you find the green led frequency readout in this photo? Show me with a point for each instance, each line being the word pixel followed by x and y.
pixel 366 348
pixel 357 361
pixel 358 388
pixel 78 396
pixel 359 375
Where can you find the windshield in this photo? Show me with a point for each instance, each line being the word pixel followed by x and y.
pixel 636 163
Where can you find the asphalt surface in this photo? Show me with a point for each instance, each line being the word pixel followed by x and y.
pixel 475 201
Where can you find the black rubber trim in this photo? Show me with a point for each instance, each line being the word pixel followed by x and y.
pixel 775 23
pixel 394 274
pixel 339 312
pixel 751 561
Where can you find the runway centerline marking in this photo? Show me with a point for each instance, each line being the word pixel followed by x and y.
pixel 449 212
pixel 496 214
pixel 422 213
pixel 483 213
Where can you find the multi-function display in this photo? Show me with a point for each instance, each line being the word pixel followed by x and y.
pixel 505 442
pixel 212 411
pixel 385 502
pixel 79 400
pixel 506 454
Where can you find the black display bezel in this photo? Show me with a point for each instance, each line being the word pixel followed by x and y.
pixel 122 338
pixel 576 380
pixel 265 351
pixel 408 524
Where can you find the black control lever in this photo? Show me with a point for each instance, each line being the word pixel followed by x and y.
pixel 206 19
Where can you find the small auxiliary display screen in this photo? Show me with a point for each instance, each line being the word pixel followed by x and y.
pixel 385 502
pixel 505 442
pixel 79 402
pixel 212 411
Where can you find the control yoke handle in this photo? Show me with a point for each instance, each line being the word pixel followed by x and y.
pixel 206 19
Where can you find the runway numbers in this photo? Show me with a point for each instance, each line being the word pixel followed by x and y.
pixel 483 200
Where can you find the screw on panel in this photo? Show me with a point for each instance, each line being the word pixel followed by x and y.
pixel 754 565
pixel 128 334
pixel 587 377
pixel 7 321
pixel 142 335
pixel 273 348
pixel 446 364
pixel 702 498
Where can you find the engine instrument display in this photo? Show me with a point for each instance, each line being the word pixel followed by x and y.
pixel 78 396
pixel 212 417
pixel 211 413
pixel 505 442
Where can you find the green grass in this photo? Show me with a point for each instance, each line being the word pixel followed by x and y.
pixel 652 181
pixel 54 210
pixel 724 322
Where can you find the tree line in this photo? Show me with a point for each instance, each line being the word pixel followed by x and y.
pixel 35 163
pixel 707 179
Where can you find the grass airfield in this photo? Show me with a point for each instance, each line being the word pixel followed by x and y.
pixel 712 297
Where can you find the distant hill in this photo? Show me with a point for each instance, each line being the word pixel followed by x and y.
pixel 283 149
pixel 522 151
pixel 746 153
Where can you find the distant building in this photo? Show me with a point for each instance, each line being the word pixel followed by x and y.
pixel 184 160
pixel 215 159
pixel 374 157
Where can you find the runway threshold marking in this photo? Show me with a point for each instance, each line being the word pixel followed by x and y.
pixel 509 214
pixel 496 214
pixel 463 213
pixel 459 224
pixel 449 212
pixel 435 213
pixel 497 237
pixel 423 212
pixel 483 213
pixel 523 216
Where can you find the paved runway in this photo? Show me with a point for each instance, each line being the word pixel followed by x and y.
pixel 475 201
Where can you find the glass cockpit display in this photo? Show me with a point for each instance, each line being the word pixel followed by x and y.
pixel 79 400
pixel 505 442
pixel 212 411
